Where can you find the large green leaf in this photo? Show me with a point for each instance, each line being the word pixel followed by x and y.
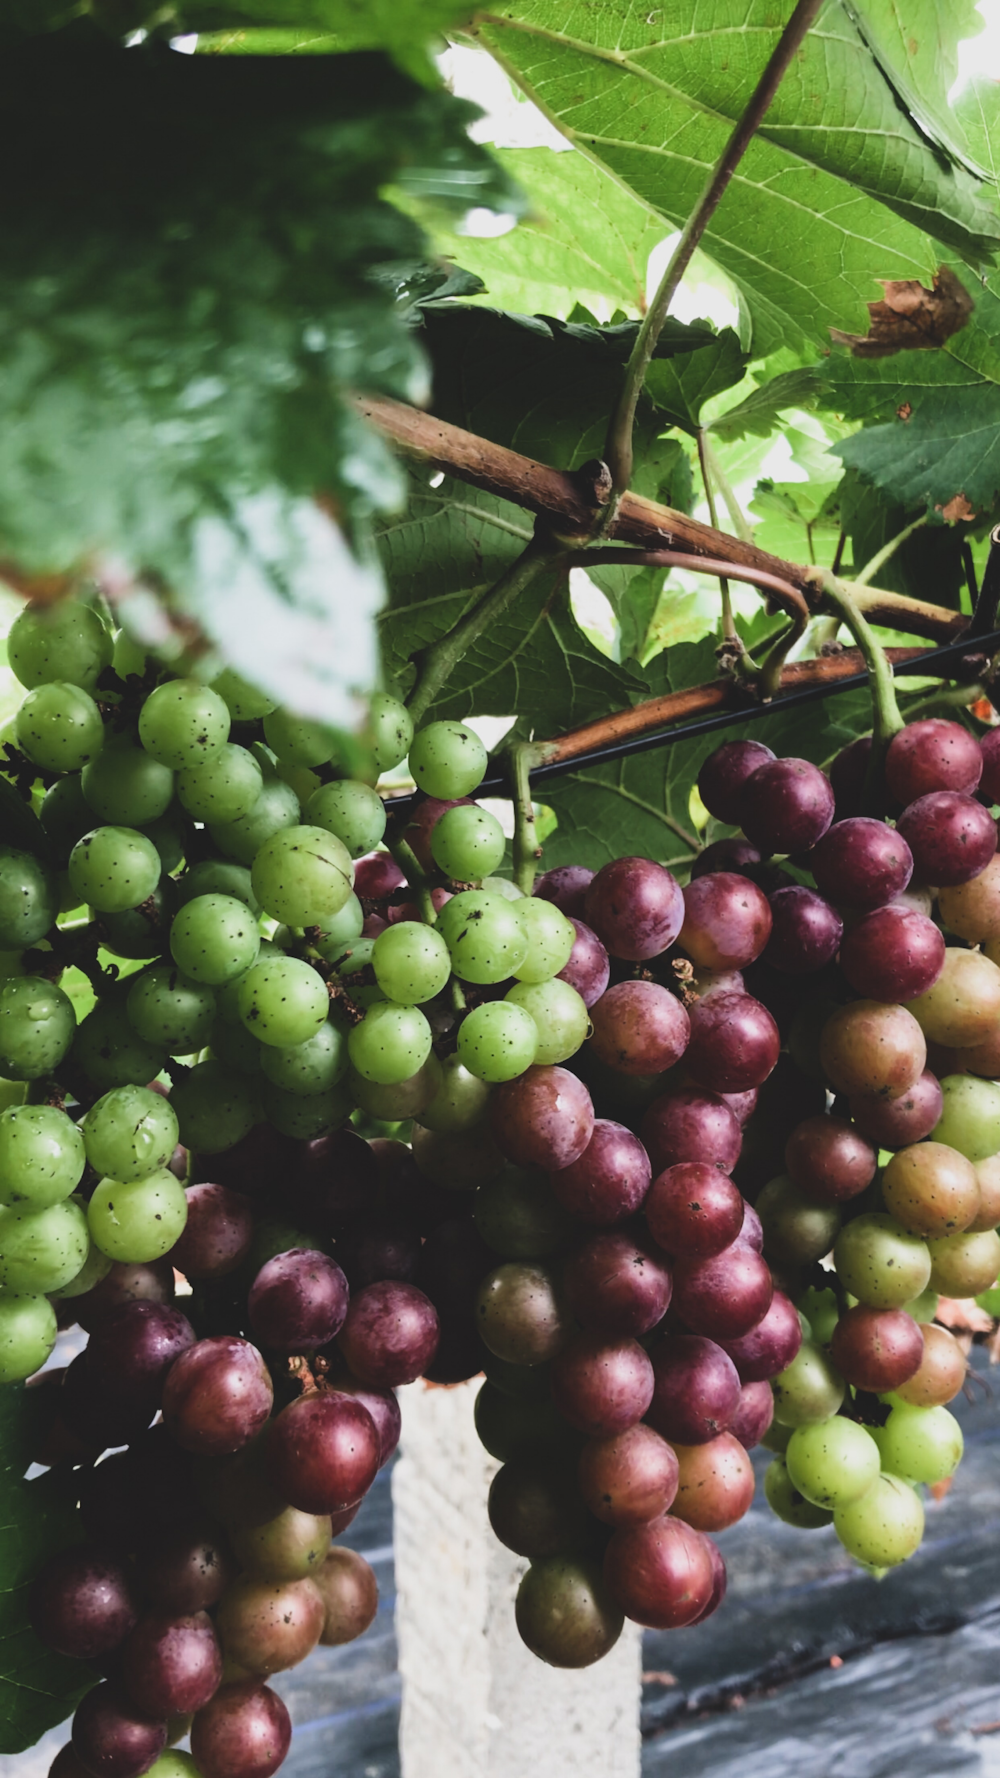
pixel 803 229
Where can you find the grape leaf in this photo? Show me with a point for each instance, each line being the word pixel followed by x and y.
pixel 798 520
pixel 680 385
pixel 927 566
pixel 758 413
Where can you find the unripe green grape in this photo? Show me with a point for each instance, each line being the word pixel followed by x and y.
pixel 351 811
pixel 42 1156
pixel 411 962
pixel 820 1310
pixel 398 1100
pixel 129 657
pixel 114 868
pixel 27 1334
pixel 885 1526
pixel 970 1118
pixel 37 1024
pixel 139 1221
pixel 227 999
pixel 341 930
pixel 833 1462
pixel 245 702
pixel 965 1264
pixel 484 935
pixel 498 1041
pixel 310 1067
pixel 277 807
pixel 304 782
pixel 921 1444
pixel 298 740
pixel 560 1015
pixel 223 788
pixel 550 935
pixel 233 1045
pixel 304 1115
pixel 171 835
pixel 183 723
pixel 787 1503
pixel 125 787
pixel 28 899
pixel 389 730
pixel 879 1263
pixel 216 876
pixel 170 1011
pixel 282 1001
pixel 447 760
pixel 41 1250
pixel 518 1216
pixel 59 727
pixel 460 1101
pixel 129 1133
pixel 291 1546
pixel 175 1763
pixel 214 939
pixel 923 1307
pixel 140 933
pixel 110 1051
pixel 302 876
pixel 808 1390
pixel 66 815
pixel 467 843
pixel 67 641
pixel 390 1044
pixel 215 1107
pixel 797 1230
pixel 96 1266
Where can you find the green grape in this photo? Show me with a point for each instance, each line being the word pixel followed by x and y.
pixel 245 702
pixel 833 1462
pixel 777 1438
pixel 504 887
pixel 885 1526
pixel 498 1041
pixel 110 1051
pixel 217 876
pixel 66 815
pixel 391 1043
pixel 277 807
pixel 170 1011
pixel 351 811
pixel 214 938
pixel 879 1263
pixel 970 1119
pixel 129 1133
pixel 302 876
pixel 175 1763
pixel 59 727
pixel 233 1045
pixel 125 787
pixel 42 1156
pixel 304 782
pixel 808 1390
pixel 467 843
pixel 66 641
pixel 27 1335
pixel 390 730
pixel 550 935
pixel 518 1216
pixel 923 1307
pixel 224 788
pixel 820 1310
pixel 447 760
pixel 399 1100
pixel 304 1115
pixel 28 899
pixel 483 934
pixel 460 1101
pixel 787 1503
pixel 138 1221
pixel 921 1444
pixel 171 835
pixel 37 1023
pixel 282 1001
pixel 96 1266
pixel 114 868
pixel 129 659
pixel 183 723
pixel 341 930
pixel 310 1067
pixel 215 1107
pixel 297 740
pixel 227 999
pixel 561 1017
pixel 141 932
pixel 411 962
pixel 41 1250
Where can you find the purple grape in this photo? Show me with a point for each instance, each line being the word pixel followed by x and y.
pixel 297 1301
pixel 896 1123
pixel 323 1452
pixel 635 907
pixel 589 967
pixel 806 933
pixel 601 1386
pixel 171 1666
pixel 338 1177
pixel 989 745
pixel 383 1407
pixel 217 1234
pixel 725 774
pixel 217 1396
pixel 862 862
pixel 932 755
pixel 185 1568
pixel 952 837
pixel 770 1346
pixel 696 1389
pixel 130 1354
pixel 390 1334
pixel 567 886
pixel 725 1295
pixel 112 1738
pixel 544 1118
pixel 81 1603
pixel 639 1028
pixel 727 921
pixel 379 1247
pixel 893 954
pixel 245 1732
pixel 734 1043
pixel 725 855
pixel 688 1124
pixel 694 1210
pixel 617 1285
pixel 787 806
pixel 754 1414
pixel 610 1179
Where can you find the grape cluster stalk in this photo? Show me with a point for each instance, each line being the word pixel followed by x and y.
pixel 680 1169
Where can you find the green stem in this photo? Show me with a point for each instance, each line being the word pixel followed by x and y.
pixel 879 559
pixel 737 517
pixel 415 876
pixel 728 622
pixel 887 720
pixel 945 697
pixel 522 756
pixel 769 682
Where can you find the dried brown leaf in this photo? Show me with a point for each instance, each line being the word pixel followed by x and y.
pixel 910 317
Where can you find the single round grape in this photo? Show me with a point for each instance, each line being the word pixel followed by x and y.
pixel 519 1313
pixel 170 1011
pixel 245 702
pixel 302 876
pixel 389 730
pixel 246 1729
pixel 349 1591
pixel 139 1221
pixel 724 775
pixel 787 1503
pixel 214 939
pixel 447 759
pixel 217 1396
pixel 110 1051
pixel 27 1334
pixel 282 1001
pixel 310 1067
pixel 41 1250
pixel 29 899
pixel 808 1390
pixel 963 1006
pixel 805 933
pixel 635 907
pixel 876 1349
pixel 689 1125
pixel 932 755
pixel 885 1526
pixel 341 930
pixel 787 805
pixel 952 837
pixel 565 1612
pixel 390 1044
pixel 880 1263
pixel 931 1189
pixel 797 1230
pixel 829 1159
pixel 893 953
pixel 832 1463
pixel 323 1451
pixel 411 962
pixel 484 936
pixel 962 1265
pixel 183 723
pixel 734 1043
pixel 560 1017
pixel 291 1546
pixel 498 1041
pixel 727 921
pixel 467 843
pixel 276 809
pixel 544 1118
pixel 215 1108
pixel 297 740
pixel 59 727
pixel 216 876
pixel 111 1735
pixel 124 786
pixel 770 1347
pixel 972 910
pixel 941 1373
pixel 114 868
pixel 551 937
pixel 222 788
pixel 861 862
pixel 893 1123
pixel 42 1156
pixel 460 1100
pixel 662 1573
pixel 67 641
pixel 715 1483
pixel 639 1028
pixel 868 1047
pixel 37 1024
pixel 351 811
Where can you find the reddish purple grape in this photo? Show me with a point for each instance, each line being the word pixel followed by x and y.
pixel 390 1334
pixel 639 1028
pixel 217 1396
pixel 736 854
pixel 81 1603
pixel 567 886
pixel 661 1574
pixel 876 1349
pixel 376 875
pixel 770 1346
pixel 171 1666
pixel 112 1738
pixel 727 921
pixel 734 1043
pixel 806 933
pixel 628 1479
pixel 589 967
pixel 932 755
pixel 862 863
pixel 609 1181
pixel 297 1301
pixel 614 1284
pixel 989 746
pixel 723 1296
pixel 787 806
pixel 217 1234
pixel 694 1210
pixel 719 1580
pixel 952 837
pixel 636 908
pixel 185 1568
pixel 829 1160
pixel 131 1352
pixel 724 775
pixel 742 1105
pixel 152 1283
pixel 323 1452
pixel 338 1178
pixel 544 1118
pixel 245 1732
pixel 895 1123
pixel 754 1414
pixel 752 1230
pixel 893 954
pixel 383 1407
pixel 696 1389
pixel 379 1247
pixel 601 1386
pixel 688 1124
